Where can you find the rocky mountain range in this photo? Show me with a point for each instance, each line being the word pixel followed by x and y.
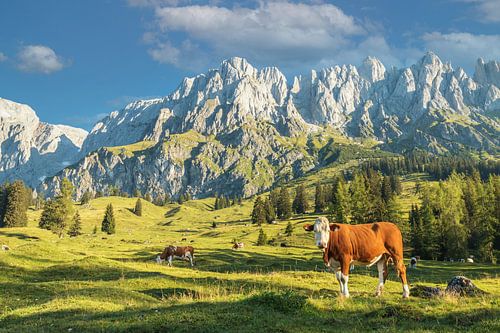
pixel 238 129
pixel 32 150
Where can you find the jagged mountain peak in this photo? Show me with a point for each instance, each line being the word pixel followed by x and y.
pixel 31 149
pixel 487 72
pixel 430 58
pixel 236 68
pixel 10 110
pixel 372 69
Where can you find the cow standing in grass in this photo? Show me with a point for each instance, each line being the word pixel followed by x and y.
pixel 365 244
pixel 176 252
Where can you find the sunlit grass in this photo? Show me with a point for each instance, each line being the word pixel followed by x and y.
pixel 99 282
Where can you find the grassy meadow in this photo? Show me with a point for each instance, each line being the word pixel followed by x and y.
pixel 110 283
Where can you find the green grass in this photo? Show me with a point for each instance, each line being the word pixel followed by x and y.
pixel 110 283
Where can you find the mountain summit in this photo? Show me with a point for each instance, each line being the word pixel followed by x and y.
pixel 238 129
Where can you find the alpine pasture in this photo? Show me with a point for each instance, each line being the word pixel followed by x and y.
pixel 110 283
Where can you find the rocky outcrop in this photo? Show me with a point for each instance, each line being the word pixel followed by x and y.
pixel 238 129
pixel 32 150
pixel 369 101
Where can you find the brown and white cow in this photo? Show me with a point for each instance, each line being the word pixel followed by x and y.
pixel 176 252
pixel 364 244
pixel 238 245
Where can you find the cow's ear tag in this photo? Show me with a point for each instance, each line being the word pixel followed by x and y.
pixel 334 226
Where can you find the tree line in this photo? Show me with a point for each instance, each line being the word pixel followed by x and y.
pixel 457 218
pixel 438 167
pixel 368 197
pixel 222 201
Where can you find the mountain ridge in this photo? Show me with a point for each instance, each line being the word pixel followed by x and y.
pixel 246 120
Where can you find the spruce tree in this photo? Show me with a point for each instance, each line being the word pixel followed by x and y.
pixel 284 210
pixel 17 205
pixel 262 239
pixel 76 227
pixel 148 197
pixel 258 212
pixel 138 207
pixel 360 206
pixel 300 205
pixel 86 197
pixel 289 229
pixel 274 197
pixel 108 223
pixel 216 203
pixel 319 199
pixel 3 202
pixel 270 212
pixel 342 202
pixel 386 189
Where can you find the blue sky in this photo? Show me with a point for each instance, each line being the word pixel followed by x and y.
pixel 74 61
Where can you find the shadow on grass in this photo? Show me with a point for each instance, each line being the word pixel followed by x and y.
pixel 19 235
pixel 247 316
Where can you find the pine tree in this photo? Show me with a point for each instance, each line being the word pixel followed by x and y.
pixel 17 205
pixel 289 229
pixel 58 212
pixel 258 212
pixel 274 197
pixel 86 197
pixel 109 223
pixel 360 206
pixel 76 227
pixel 138 207
pixel 217 203
pixel 3 202
pixel 148 197
pixel 342 202
pixel 387 192
pixel 300 205
pixel 262 240
pixel 270 212
pixel 319 199
pixel 396 185
pixel 53 217
pixel 181 199
pixel 284 210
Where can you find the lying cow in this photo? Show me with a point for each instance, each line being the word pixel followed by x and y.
pixel 365 244
pixel 238 245
pixel 413 262
pixel 176 252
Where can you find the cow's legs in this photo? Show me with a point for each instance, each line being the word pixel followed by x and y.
pixel 190 257
pixel 344 275
pixel 401 268
pixel 170 258
pixel 382 275
pixel 338 275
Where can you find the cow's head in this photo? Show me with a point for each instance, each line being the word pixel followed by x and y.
pixel 321 228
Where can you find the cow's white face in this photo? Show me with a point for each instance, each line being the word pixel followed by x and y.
pixel 321 232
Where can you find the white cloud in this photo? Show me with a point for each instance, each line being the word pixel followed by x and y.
pixel 488 10
pixel 39 59
pixel 463 48
pixel 273 32
pixel 3 57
